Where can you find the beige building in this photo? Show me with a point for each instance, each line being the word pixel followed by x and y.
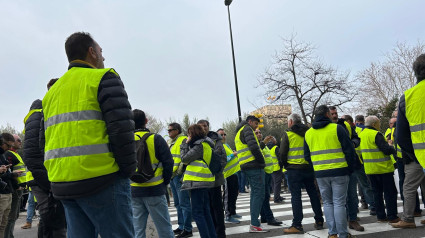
pixel 275 112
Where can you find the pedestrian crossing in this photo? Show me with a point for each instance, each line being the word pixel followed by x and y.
pixel 283 212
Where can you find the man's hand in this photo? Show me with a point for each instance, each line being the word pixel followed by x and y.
pixel 235 153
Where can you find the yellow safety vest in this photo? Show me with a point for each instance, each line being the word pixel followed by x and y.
pixel 296 148
pixel 198 170
pixel 358 151
pixel 375 162
pixel 175 152
pixel 396 147
pixel 232 165
pixel 77 142
pixel 350 133
pixel 19 167
pixel 244 154
pixel 276 166
pixel 268 160
pixel 157 179
pixel 415 114
pixel 29 114
pixel 325 148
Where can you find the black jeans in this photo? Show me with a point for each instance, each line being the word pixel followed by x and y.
pixel 217 212
pixel 296 180
pixel 231 191
pixel 383 187
pixel 277 177
pixel 266 213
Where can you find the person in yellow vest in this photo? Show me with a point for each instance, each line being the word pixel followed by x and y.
pixel 329 150
pixel 148 198
pixel 196 154
pixel 216 197
pixel 352 198
pixel 31 203
pixel 181 197
pixel 266 213
pixel 379 169
pixel 19 184
pixel 300 174
pixel 277 175
pixel 251 160
pixel 89 143
pixel 365 187
pixel 410 137
pixel 231 186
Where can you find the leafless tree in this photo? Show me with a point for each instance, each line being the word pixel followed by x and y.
pixel 384 81
pixel 154 125
pixel 297 75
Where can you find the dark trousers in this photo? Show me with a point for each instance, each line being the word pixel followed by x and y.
pixel 241 181
pixel 401 177
pixel 231 195
pixel 277 177
pixel 383 187
pixel 217 212
pixel 266 213
pixel 296 180
pixel 14 213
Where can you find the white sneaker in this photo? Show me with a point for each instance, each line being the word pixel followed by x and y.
pixel 256 229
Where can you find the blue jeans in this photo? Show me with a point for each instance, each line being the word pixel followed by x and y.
pixel 352 198
pixel 241 181
pixel 256 179
pixel 182 204
pixel 334 195
pixel 296 180
pixel 155 206
pixel 31 207
pixel 266 212
pixel 365 187
pixel 107 213
pixel 201 212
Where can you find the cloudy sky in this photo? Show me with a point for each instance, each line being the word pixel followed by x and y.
pixel 174 56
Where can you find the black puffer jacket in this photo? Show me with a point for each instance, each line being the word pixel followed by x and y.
pixel 247 136
pixel 33 155
pixel 117 114
pixel 299 129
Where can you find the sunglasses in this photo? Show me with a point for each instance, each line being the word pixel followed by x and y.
pixel 170 130
pixel 223 134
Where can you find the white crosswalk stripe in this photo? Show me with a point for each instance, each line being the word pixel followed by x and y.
pixel 283 212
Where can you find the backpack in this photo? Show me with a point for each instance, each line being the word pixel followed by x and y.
pixel 215 163
pixel 144 171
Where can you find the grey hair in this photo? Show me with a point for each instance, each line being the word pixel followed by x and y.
pixel 370 120
pixel 295 118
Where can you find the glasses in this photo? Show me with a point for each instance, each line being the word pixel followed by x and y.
pixel 223 134
pixel 170 130
pixel 19 140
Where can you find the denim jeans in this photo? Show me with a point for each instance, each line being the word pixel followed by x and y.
pixel 352 198
pixel 201 212
pixel 107 213
pixel 365 187
pixel 256 179
pixel 241 181
pixel 157 208
pixel 383 186
pixel 334 195
pixel 31 207
pixel 296 180
pixel 266 213
pixel 182 204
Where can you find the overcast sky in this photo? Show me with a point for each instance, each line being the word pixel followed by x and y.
pixel 174 56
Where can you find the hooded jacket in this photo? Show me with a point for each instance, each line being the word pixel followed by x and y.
pixel 346 145
pixel 299 129
pixel 247 136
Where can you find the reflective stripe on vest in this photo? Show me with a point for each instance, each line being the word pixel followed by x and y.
pixel 175 152
pixel 325 148
pixel 77 142
pixel 244 154
pixel 276 166
pixel 232 165
pixel 198 170
pixel 375 162
pixel 268 160
pixel 19 167
pixel 157 179
pixel 296 148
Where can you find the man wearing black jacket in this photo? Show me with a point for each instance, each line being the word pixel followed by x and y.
pixel 89 143
pixel 300 174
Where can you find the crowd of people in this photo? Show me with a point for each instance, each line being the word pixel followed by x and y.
pixel 94 168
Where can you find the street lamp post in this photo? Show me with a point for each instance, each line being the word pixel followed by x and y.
pixel 227 3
